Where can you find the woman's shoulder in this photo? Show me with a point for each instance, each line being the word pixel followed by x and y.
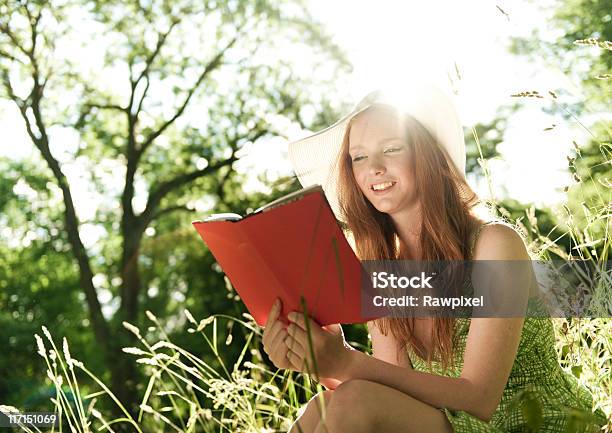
pixel 498 240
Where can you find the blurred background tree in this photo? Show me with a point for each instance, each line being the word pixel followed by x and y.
pixel 580 49
pixel 193 85
pixel 571 42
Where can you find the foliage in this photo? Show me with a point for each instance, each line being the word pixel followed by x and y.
pixel 121 163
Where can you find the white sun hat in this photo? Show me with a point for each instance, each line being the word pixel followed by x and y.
pixel 314 158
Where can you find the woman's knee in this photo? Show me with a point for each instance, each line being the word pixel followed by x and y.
pixel 320 401
pixel 310 414
pixel 351 393
pixel 348 409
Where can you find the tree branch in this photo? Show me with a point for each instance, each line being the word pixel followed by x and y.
pixel 9 89
pixel 234 146
pixel 34 39
pixel 224 179
pixel 142 98
pixel 132 153
pixel 4 28
pixel 161 40
pixel 86 109
pixel 9 56
pixel 211 66
pixel 168 210
pixel 104 106
pixel 165 188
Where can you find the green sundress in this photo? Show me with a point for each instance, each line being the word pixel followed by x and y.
pixel 539 395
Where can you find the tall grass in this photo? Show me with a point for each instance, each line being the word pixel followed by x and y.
pixel 183 393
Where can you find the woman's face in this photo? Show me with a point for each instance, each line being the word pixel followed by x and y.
pixel 380 158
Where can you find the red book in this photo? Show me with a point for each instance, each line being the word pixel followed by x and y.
pixel 290 248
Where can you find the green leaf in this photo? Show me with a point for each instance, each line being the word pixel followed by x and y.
pixel 577 370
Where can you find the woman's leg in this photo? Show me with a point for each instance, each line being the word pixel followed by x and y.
pixel 312 415
pixel 360 406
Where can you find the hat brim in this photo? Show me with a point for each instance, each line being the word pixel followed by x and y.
pixel 314 158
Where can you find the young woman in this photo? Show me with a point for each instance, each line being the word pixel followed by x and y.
pixel 399 186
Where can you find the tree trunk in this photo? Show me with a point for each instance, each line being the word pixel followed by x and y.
pixel 123 367
pixel 124 375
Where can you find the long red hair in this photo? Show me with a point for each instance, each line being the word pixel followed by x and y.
pixel 447 225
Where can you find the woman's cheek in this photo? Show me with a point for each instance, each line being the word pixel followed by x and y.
pixel 364 186
pixel 361 181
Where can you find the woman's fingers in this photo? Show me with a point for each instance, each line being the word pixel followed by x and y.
pixel 278 339
pixel 297 318
pixel 298 335
pixel 300 321
pixel 274 312
pixel 297 361
pixel 294 345
pixel 278 350
pixel 272 323
pixel 270 332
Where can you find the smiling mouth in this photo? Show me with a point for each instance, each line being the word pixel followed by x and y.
pixel 378 187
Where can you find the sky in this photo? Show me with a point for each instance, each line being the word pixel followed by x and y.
pixel 395 41
pixel 390 42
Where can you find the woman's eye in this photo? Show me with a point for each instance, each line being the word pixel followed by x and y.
pixel 357 158
pixel 392 149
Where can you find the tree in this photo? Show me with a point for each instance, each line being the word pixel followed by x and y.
pixel 580 48
pixel 572 26
pixel 193 84
pixel 38 281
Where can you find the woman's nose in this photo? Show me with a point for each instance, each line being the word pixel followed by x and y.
pixel 376 167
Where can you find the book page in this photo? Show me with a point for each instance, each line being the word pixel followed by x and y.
pixel 227 216
pixel 296 195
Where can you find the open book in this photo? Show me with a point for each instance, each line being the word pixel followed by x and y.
pixel 292 248
pixel 296 195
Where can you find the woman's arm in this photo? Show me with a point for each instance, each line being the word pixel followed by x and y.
pixel 491 347
pixel 384 347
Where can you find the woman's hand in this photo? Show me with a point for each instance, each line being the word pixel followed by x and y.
pixel 330 350
pixel 274 338
pixel 276 341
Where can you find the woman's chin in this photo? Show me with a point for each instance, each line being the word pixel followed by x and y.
pixel 391 208
pixel 384 209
